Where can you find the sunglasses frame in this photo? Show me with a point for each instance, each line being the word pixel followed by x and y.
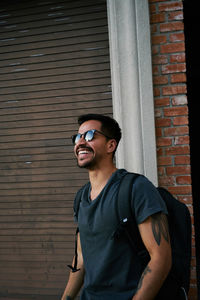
pixel 73 137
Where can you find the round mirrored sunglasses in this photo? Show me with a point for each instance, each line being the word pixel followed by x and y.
pixel 88 136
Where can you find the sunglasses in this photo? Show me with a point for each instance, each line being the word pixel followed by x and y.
pixel 88 136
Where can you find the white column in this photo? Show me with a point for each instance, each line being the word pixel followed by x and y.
pixel 131 72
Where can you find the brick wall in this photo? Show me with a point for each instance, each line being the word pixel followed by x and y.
pixel 171 110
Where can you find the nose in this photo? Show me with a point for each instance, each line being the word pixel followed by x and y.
pixel 80 144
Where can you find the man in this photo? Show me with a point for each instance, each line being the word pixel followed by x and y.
pixel 106 266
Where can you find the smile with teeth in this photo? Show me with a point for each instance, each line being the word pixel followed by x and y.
pixel 83 151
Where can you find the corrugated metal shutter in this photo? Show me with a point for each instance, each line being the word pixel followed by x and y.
pixel 54 66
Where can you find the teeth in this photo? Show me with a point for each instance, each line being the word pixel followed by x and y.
pixel 83 152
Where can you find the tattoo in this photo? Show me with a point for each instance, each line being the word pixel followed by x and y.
pixel 146 270
pixel 160 227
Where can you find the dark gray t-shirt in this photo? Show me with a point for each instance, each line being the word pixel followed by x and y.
pixel 112 271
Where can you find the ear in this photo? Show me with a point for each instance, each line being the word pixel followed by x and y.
pixel 111 146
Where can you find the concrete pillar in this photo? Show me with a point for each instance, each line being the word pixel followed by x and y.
pixel 131 72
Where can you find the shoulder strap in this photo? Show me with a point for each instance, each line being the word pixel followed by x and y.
pixel 77 199
pixel 124 196
pixel 127 218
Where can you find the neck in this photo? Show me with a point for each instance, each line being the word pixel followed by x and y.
pixel 99 178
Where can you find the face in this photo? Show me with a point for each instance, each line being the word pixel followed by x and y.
pixel 91 154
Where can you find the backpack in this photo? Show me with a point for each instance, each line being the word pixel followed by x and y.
pixel 176 285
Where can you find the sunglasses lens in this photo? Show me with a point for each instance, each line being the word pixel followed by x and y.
pixel 75 138
pixel 89 135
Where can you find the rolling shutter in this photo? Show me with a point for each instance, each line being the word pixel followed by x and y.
pixel 54 66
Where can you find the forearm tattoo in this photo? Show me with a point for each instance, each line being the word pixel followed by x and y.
pixel 160 227
pixel 146 270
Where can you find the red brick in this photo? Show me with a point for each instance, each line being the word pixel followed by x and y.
pixel 175 68
pixel 163 141
pixel 192 292
pixel 158 112
pixel 174 131
pixel 156 92
pixel 170 6
pixel 158 132
pixel 160 79
pixel 176 37
pixel 177 58
pixel 155 70
pixel 158 39
pixel 172 48
pixel 175 111
pixel 166 180
pixel 179 100
pixel 154 28
pixel 160 152
pixel 161 171
pixel 155 49
pixel 165 101
pixel 178 78
pixel 183 179
pixel 180 120
pixel 173 90
pixel 180 190
pixel 163 122
pixel 164 160
pixel 157 18
pixel 173 26
pixel 182 160
pixel 176 15
pixel 182 140
pixel 159 59
pixel 178 170
pixel 186 199
pixel 193 255
pixel 152 8
pixel 177 150
pixel 193 262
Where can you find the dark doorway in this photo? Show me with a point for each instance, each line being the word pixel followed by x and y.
pixel 192 25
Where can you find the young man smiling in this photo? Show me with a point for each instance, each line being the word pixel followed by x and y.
pixel 107 267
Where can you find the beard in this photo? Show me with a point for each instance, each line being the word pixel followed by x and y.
pixel 89 165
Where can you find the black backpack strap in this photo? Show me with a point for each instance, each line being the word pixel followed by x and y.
pixel 77 201
pixel 124 195
pixel 127 219
pixel 74 268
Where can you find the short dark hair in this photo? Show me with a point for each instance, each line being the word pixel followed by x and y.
pixel 109 126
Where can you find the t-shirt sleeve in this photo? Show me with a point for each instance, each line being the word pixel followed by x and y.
pixel 146 200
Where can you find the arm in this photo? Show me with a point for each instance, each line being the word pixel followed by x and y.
pixel 155 235
pixel 76 279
